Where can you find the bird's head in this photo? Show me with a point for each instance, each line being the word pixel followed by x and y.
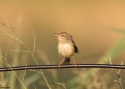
pixel 63 37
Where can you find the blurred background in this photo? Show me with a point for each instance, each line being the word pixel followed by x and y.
pixel 97 28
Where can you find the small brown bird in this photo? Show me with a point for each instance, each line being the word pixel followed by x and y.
pixel 66 47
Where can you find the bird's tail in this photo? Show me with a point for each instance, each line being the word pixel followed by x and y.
pixel 67 61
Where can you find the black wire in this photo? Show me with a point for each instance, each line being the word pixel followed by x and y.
pixel 115 66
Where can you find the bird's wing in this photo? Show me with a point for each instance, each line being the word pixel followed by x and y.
pixel 75 47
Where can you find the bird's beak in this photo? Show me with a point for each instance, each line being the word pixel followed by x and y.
pixel 56 34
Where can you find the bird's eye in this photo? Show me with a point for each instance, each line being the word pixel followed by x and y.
pixel 62 35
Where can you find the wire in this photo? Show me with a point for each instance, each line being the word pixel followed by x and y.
pixel 16 68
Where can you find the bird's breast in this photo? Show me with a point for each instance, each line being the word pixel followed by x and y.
pixel 66 49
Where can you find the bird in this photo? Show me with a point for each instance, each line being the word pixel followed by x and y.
pixel 66 47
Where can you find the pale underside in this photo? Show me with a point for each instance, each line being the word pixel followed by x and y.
pixel 66 50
